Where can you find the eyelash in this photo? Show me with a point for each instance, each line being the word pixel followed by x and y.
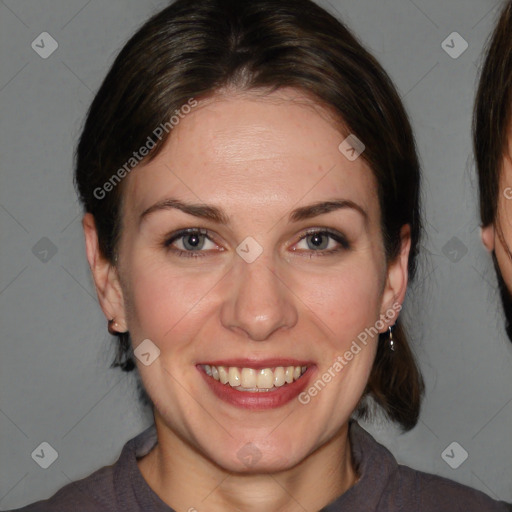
pixel 334 235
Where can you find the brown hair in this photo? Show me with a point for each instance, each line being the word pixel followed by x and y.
pixel 492 114
pixel 192 49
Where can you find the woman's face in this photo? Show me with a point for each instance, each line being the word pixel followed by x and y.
pixel 288 268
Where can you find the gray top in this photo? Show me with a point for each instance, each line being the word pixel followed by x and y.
pixel 384 485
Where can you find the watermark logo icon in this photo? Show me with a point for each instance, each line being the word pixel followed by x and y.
pixel 45 455
pixel 44 45
pixel 146 352
pixel 249 250
pixel 44 250
pixel 454 455
pixel 454 45
pixel 454 249
pixel 249 454
pixel 351 147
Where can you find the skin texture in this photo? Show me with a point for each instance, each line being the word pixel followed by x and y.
pixel 258 158
pixel 498 236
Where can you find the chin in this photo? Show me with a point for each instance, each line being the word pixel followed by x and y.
pixel 249 460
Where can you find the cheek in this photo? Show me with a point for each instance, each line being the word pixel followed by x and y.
pixel 504 261
pixel 503 248
pixel 166 301
pixel 505 213
pixel 348 301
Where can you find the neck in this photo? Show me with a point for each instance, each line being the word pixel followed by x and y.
pixel 186 480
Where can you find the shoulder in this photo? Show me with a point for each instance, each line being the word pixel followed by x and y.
pixel 114 488
pixel 434 493
pixel 394 487
pixel 91 494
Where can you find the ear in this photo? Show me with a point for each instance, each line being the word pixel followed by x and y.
pixel 397 277
pixel 487 234
pixel 105 276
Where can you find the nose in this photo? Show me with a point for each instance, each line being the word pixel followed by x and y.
pixel 258 302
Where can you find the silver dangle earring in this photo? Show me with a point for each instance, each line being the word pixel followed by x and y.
pixel 391 341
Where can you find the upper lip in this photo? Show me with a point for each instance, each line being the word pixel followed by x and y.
pixel 258 363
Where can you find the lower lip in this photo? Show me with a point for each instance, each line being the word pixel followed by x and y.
pixel 257 400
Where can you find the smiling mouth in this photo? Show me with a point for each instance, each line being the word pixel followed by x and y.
pixel 254 380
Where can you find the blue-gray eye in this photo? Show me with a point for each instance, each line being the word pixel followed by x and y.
pixel 193 242
pixel 190 240
pixel 318 241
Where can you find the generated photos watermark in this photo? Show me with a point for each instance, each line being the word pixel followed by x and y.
pixel 144 150
pixel 343 360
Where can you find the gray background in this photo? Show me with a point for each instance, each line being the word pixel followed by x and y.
pixel 55 351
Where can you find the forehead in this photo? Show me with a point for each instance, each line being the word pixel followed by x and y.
pixel 248 151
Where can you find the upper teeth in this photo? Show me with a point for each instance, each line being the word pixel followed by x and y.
pixel 250 379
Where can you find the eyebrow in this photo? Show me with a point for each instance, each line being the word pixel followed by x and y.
pixel 218 216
